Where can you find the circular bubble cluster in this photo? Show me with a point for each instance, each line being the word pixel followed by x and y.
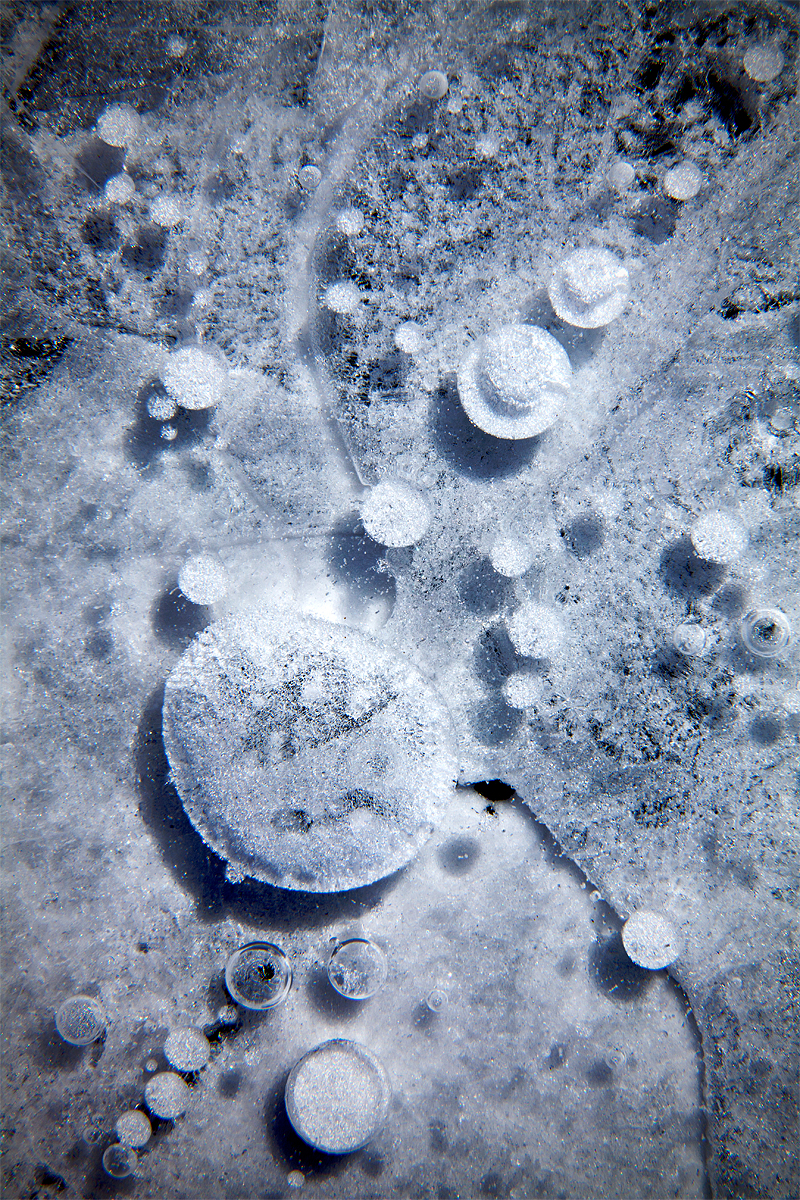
pixel 650 940
pixel 306 753
pixel 763 63
pixel 589 288
pixel 766 631
pixel 119 1161
pixel 718 537
pixel 396 514
pixel 203 579
pixel 514 382
pixel 683 182
pixel 133 1128
pixel 337 1097
pixel 194 378
pixel 80 1020
pixel 433 85
pixel 119 125
pixel 258 975
pixel 187 1049
pixel 167 1095
pixel 357 968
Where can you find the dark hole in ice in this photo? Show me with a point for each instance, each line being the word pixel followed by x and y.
pixel 729 105
pixel 329 1003
pixel 219 187
pixel 494 790
pixel 482 589
pixel 229 1083
pixel 468 449
pixel 175 303
pixel 176 619
pixel 612 971
pixel 148 253
pixel 494 657
pixel 423 1017
pixel 655 219
pixel 464 183
pixel 99 644
pixel 599 1073
pixel 683 571
pixel 492 1186
pixel 459 856
pixel 584 536
pixel 498 64
pixel 437 1139
pixel 44 1177
pixel 99 162
pixel 358 561
pixel 557 1056
pixel 765 730
pixel 99 231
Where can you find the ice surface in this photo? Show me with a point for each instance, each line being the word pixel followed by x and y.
pixel 665 782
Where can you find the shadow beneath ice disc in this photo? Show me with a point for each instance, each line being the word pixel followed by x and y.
pixel 202 873
pixel 613 973
pixel 358 562
pixel 176 619
pixel 468 449
pixel 329 1003
pixel 682 571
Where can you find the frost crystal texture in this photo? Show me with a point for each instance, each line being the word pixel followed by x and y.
pixel 306 753
pixel 166 211
pixel 119 189
pixel 342 298
pixel 589 288
pixel 203 579
pixel 194 378
pixel 514 382
pixel 690 639
pixel 80 1020
pixel 396 514
pixel 357 968
pixel 433 85
pixel 133 1128
pixel 719 537
pixel 337 1097
pixel 510 556
pixel 187 1049
pixel 167 1095
pixel 650 940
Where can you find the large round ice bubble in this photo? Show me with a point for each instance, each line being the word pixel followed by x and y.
pixel 306 753
pixel 514 382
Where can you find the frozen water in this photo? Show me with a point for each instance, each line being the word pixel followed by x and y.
pixel 513 383
pixel 304 752
pixel 203 579
pixel 119 1161
pixel 119 125
pixel 719 537
pixel 133 1129
pixel 396 514
pixel 683 182
pixel 589 288
pixel 766 631
pixel 650 940
pixel 80 1020
pixel 167 1095
pixel 357 968
pixel 258 976
pixel 187 1049
pixel 337 1096
pixel 194 378
pixel 763 63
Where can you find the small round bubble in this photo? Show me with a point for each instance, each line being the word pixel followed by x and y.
pixel 309 177
pixel 621 175
pixel 342 298
pixel 436 1000
pixel 176 46
pixel 80 1020
pixel 683 182
pixel 690 639
pixel 166 211
pixel 167 1095
pixel 203 579
pixel 133 1128
pixel 119 1161
pixel 161 407
pixel 650 940
pixel 350 222
pixel 763 63
pixel 408 337
pixel 258 975
pixel 536 631
pixel 718 537
pixel 119 125
pixel 357 968
pixel 396 514
pixel 194 378
pixel 766 631
pixel 433 85
pixel 510 556
pixel 187 1049
pixel 119 189
pixel 589 288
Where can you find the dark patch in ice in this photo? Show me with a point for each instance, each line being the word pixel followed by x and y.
pixel 684 572
pixel 100 231
pixel 612 971
pixel 599 1073
pixel 99 645
pixel 219 187
pixel 584 536
pixel 329 1003
pixel 494 657
pixel 437 1137
pixel 765 730
pixel 371 1163
pixel 499 63
pixel 292 820
pixel 459 856
pixel 359 562
pixel 464 183
pixel 144 442
pixel 494 790
pixel 290 1149
pixel 557 1056
pixel 175 303
pixel 493 1185
pixel 44 1177
pixel 384 380
pixel 423 1017
pixel 229 1083
pixel 655 219
pixel 730 601
pixel 98 162
pixel 468 449
pixel 482 589
pixel 176 619
pixel 729 104
pixel 495 722
pixel 148 253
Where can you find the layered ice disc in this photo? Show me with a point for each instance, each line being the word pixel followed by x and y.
pixel 306 753
pixel 514 382
pixel 589 288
